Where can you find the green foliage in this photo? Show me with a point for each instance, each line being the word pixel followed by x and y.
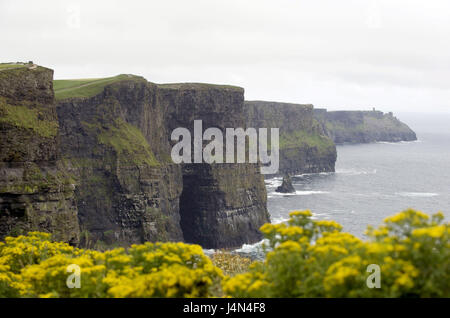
pixel 22 116
pixel 305 258
pixel 199 86
pixel 304 139
pixel 84 87
pixel 310 258
pixel 35 179
pixel 128 142
pixel 4 66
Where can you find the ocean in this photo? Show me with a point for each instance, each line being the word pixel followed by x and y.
pixel 374 181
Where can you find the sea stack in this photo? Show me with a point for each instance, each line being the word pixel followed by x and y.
pixel 286 186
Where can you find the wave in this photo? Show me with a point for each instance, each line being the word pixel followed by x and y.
pixel 389 142
pixel 316 216
pixel 397 143
pixel 355 172
pixel 417 194
pixel 251 248
pixel 273 182
pixel 313 174
pixel 279 220
pixel 209 252
pixel 296 193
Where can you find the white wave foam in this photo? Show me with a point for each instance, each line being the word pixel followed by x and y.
pixel 279 220
pixel 417 194
pixel 396 143
pixel 316 216
pixel 388 143
pixel 313 174
pixel 249 248
pixel 354 172
pixel 209 252
pixel 273 182
pixel 297 193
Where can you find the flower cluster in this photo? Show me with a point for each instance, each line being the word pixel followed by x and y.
pixel 304 258
pixel 34 266
pixel 307 258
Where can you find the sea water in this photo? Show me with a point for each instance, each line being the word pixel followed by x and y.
pixel 374 181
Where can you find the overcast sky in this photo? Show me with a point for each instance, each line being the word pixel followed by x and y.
pixel 390 54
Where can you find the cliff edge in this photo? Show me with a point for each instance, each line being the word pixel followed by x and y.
pixel 304 145
pixel 363 126
pixel 116 132
pixel 36 187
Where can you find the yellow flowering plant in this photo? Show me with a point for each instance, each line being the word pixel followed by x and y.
pixel 35 266
pixel 308 258
pixel 304 258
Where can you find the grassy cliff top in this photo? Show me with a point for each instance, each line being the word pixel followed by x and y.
pixel 85 87
pixel 198 86
pixel 276 104
pixel 7 66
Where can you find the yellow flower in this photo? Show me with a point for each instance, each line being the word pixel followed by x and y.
pixel 305 213
pixel 408 214
pixel 330 225
pixel 404 281
pixel 434 231
pixel 290 246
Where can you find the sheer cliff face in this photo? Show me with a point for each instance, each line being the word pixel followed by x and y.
pixel 304 146
pixel 222 205
pixel 36 188
pixel 363 126
pixel 129 191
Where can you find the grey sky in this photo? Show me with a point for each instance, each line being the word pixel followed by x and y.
pixel 393 54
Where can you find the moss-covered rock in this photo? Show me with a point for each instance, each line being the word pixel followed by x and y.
pixel 117 143
pixel 304 146
pixel 36 188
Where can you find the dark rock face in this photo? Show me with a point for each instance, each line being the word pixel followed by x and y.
pixel 222 205
pixel 128 190
pixel 304 146
pixel 363 126
pixel 36 187
pixel 286 186
pixel 103 163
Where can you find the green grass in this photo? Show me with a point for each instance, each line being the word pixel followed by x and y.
pixel 4 66
pixel 198 86
pixel 302 138
pixel 23 117
pixel 127 141
pixel 86 87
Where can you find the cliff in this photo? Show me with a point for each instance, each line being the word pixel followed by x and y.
pixel 94 166
pixel 304 145
pixel 116 136
pixel 36 188
pixel 363 126
pixel 222 205
pixel 127 190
